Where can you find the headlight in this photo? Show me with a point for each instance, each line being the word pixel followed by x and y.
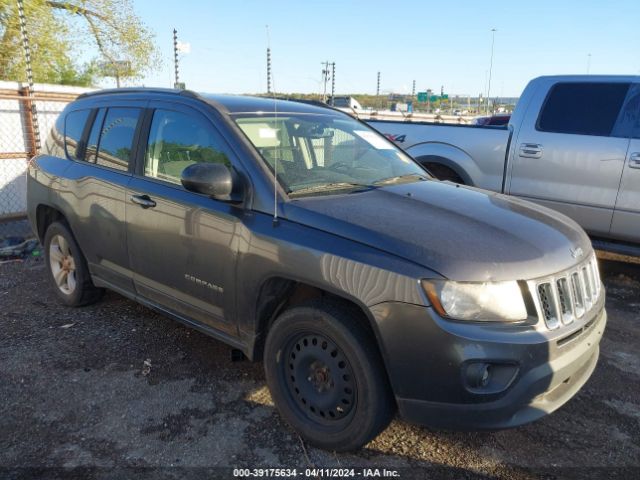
pixel 483 302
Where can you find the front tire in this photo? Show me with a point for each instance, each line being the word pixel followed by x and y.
pixel 326 376
pixel 67 267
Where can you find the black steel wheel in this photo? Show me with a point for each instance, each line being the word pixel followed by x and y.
pixel 320 378
pixel 326 376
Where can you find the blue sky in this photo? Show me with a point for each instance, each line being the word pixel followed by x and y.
pixel 435 43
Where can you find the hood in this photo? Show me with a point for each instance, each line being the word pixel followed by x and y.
pixel 463 233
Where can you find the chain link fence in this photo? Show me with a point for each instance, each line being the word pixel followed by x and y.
pixel 18 144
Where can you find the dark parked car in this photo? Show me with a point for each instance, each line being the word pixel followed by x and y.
pixel 302 237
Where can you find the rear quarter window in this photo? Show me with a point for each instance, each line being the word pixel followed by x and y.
pixel 582 108
pixel 54 144
pixel 73 128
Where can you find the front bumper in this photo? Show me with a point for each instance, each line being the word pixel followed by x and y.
pixel 428 376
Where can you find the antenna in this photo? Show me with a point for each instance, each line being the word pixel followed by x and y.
pixel 270 82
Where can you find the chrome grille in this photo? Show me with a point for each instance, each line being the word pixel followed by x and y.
pixel 569 295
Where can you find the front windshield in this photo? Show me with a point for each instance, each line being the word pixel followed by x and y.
pixel 318 154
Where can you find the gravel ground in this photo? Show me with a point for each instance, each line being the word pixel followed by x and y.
pixel 115 390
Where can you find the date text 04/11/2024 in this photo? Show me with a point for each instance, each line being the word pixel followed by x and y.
pixel 315 473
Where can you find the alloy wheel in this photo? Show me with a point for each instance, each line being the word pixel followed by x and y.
pixel 63 265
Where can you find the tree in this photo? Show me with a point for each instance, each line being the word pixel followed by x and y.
pixel 62 32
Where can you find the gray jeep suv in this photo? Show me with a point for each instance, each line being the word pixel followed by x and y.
pixel 310 242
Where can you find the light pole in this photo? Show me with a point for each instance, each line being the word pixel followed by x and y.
pixel 493 39
pixel 175 59
pixel 27 57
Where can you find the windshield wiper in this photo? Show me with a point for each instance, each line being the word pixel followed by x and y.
pixel 329 186
pixel 387 181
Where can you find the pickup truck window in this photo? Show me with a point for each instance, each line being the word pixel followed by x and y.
pixel 636 127
pixel 176 141
pixel 628 124
pixel 74 124
pixel 115 138
pixel 582 108
pixel 317 153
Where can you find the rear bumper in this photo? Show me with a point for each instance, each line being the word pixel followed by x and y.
pixel 548 374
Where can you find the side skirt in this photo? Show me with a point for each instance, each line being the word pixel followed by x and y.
pixel 206 329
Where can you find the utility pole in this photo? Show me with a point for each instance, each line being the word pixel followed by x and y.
pixel 413 90
pixel 175 57
pixel 268 70
pixel 378 87
pixel 325 79
pixel 27 57
pixel 333 82
pixel 493 39
pixel 268 61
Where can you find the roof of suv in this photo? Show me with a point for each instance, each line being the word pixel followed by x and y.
pixel 231 103
pixel 249 104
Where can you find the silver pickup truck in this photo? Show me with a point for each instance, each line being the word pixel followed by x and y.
pixel 572 144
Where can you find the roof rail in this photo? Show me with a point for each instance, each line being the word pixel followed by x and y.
pixel 112 91
pixel 317 103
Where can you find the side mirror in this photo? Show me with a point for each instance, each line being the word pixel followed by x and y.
pixel 213 179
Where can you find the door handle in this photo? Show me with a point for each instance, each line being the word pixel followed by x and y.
pixel 634 160
pixel 143 200
pixel 530 150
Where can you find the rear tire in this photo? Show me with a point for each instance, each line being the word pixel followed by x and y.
pixel 443 173
pixel 67 267
pixel 326 376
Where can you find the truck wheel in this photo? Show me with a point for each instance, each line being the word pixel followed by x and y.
pixel 67 267
pixel 326 377
pixel 443 173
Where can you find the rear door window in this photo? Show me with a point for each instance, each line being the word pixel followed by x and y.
pixel 92 142
pixel 73 128
pixel 114 132
pixel 583 108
